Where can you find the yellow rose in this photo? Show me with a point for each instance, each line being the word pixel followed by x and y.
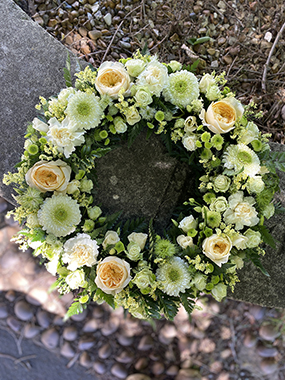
pixel 113 274
pixel 111 78
pixel 49 176
pixel 217 248
pixel 221 116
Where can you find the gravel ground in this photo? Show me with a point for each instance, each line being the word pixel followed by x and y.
pixel 226 341
pixel 247 40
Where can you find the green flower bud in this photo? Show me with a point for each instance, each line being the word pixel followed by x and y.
pixel 33 149
pixel 257 145
pixel 206 137
pixel 159 116
pixel 88 225
pixel 120 125
pixel 219 292
pixel 86 185
pixel 94 212
pixel 200 281
pixel 103 134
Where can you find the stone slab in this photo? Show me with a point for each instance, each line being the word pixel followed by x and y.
pixel 31 64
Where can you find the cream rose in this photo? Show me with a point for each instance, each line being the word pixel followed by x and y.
pixel 111 78
pixel 221 116
pixel 111 238
pixel 188 223
pixel 206 81
pixel 184 241
pixel 189 142
pixel 217 248
pixel 49 175
pixel 139 238
pixel 113 274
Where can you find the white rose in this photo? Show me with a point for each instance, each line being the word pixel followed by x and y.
pixel 138 238
pixel 190 124
pixel 111 238
pixel 254 238
pixel 184 241
pixel 206 81
pixel 80 250
pixel 73 186
pixel 40 125
pixel 219 204
pixel 135 67
pixel 111 78
pixel 189 142
pixel 221 116
pixel 49 175
pixel 76 279
pixel 219 292
pixel 113 274
pixel 120 125
pixel 255 184
pixel 239 241
pixel 217 248
pixel 132 116
pixel 154 77
pixel 143 96
pixel 188 223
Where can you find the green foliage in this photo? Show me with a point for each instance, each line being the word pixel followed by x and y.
pixel 168 305
pixel 255 259
pixel 134 131
pixel 188 302
pixel 265 235
pixel 273 160
pixel 74 309
pixel 108 298
pixel 196 41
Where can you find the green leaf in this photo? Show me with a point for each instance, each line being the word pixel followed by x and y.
pixel 108 298
pixel 202 40
pixel 145 50
pixel 266 235
pixel 75 308
pixel 194 66
pixel 169 305
pixel 63 272
pixel 254 257
pixel 134 132
pixel 188 302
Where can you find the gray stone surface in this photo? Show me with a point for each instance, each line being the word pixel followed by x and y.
pixel 31 63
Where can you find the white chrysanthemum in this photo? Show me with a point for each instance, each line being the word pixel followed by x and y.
pixel 154 76
pixel 80 250
pixel 241 211
pixel 84 110
pixel 182 88
pixel 64 136
pixel 147 113
pixel 241 156
pixel 173 276
pixel 59 215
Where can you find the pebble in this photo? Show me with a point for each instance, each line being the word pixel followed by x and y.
pixel 186 374
pixel 3 311
pixel 30 331
pixel 90 326
pixel 23 311
pixel 108 19
pixel 50 338
pixel 67 351
pixel 266 352
pixel 119 370
pixel 86 343
pixel 85 360
pixel 98 312
pixel 125 357
pixel 43 319
pixel 10 296
pixel 227 59
pixel 138 376
pixel 70 333
pixel 14 324
pixel 268 366
pixel 157 368
pixel 99 367
pixel 172 370
pixel 125 45
pixel 110 327
pixel 105 351
pixel 32 300
pixel 94 34
pixel 145 343
pixel 268 332
pixel 249 340
pixel 141 364
pixel 125 340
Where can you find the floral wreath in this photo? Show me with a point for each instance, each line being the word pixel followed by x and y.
pixel 128 264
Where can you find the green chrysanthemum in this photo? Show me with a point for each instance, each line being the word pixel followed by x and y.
pixel 59 215
pixel 173 276
pixel 164 248
pixel 182 88
pixel 31 199
pixel 84 110
pixel 241 156
pixel 213 219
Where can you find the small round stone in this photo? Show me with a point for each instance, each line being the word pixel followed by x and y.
pixel 3 311
pixel 186 374
pixel 145 343
pixel 99 367
pixel 105 351
pixel 125 340
pixel 138 376
pixel 257 312
pixel 266 352
pixel 268 366
pixel 157 368
pixel 249 339
pixel 58 321
pixel 268 332
pixel 10 296
pixel 50 338
pixel 119 370
pixel 85 360
pixel 172 370
pixel 125 357
pixel 30 331
pixel 110 327
pixel 67 351
pixel 90 326
pixel 85 343
pixel 70 333
pixel 98 312
pixel 14 324
pixel 79 317
pixel 141 364
pixel 43 318
pixel 32 300
pixel 23 311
